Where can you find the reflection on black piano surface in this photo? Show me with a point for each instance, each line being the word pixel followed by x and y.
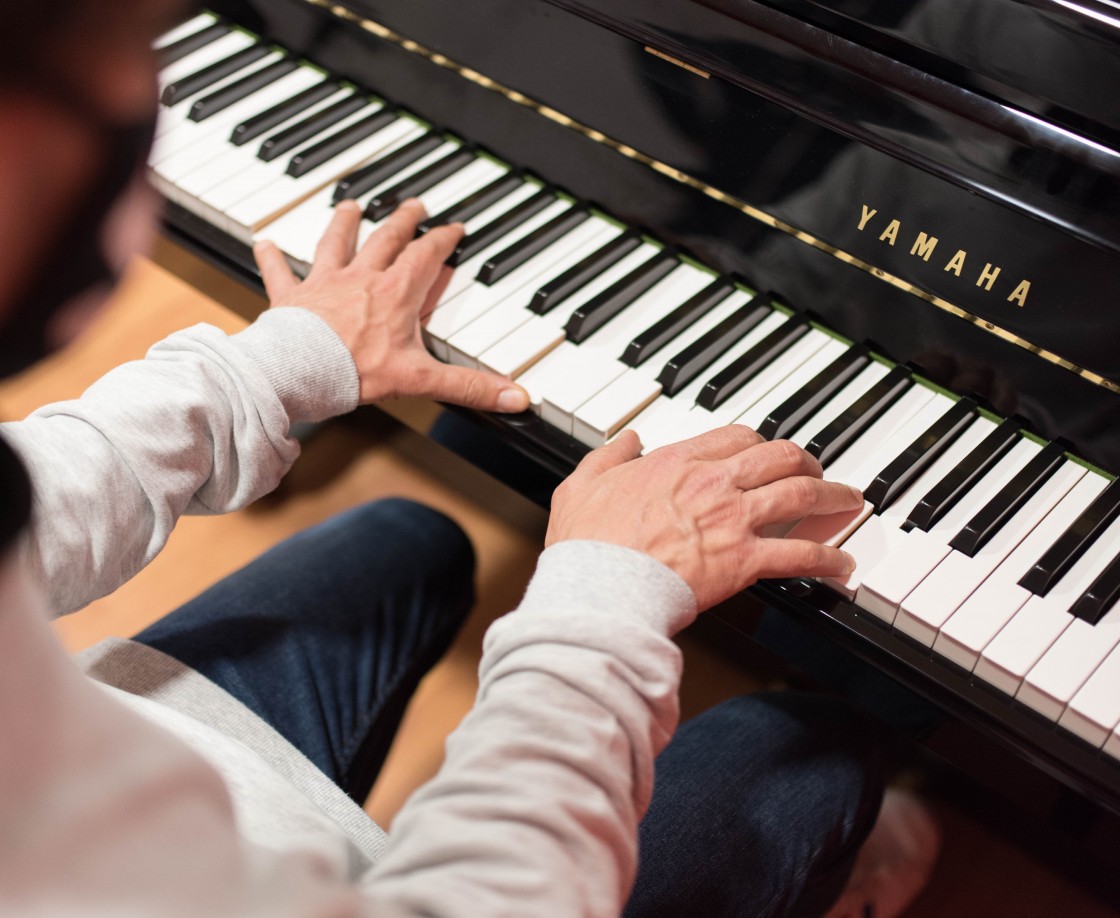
pixel 864 228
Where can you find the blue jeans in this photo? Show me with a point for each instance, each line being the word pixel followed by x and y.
pixel 759 805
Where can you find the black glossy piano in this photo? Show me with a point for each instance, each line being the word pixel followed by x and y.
pixel 889 232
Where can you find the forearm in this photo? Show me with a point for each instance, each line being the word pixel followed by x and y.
pixel 200 425
pixel 536 807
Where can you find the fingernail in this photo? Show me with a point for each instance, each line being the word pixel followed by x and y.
pixel 857 494
pixel 512 400
pixel 346 204
pixel 849 561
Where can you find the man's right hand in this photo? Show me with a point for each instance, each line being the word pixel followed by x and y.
pixel 701 507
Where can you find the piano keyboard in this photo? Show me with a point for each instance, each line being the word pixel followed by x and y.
pixel 997 552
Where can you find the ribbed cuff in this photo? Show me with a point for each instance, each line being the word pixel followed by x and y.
pixel 611 579
pixel 306 362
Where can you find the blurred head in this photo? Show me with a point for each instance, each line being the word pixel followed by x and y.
pixel 77 108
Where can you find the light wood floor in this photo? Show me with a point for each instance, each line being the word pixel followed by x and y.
pixel 982 872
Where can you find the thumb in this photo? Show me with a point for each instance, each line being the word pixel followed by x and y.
pixel 619 451
pixel 475 389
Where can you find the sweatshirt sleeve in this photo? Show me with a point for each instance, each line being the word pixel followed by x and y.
pixel 200 425
pixel 536 808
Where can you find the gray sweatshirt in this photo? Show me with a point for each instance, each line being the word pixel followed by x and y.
pixel 146 790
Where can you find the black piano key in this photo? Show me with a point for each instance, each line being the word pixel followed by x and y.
pixel 745 367
pixel 505 223
pixel 385 202
pixel 557 290
pixel 252 128
pixel 603 307
pixel 475 202
pixel 1074 542
pixel 943 496
pixel 208 76
pixel 329 147
pixel 865 411
pixel 980 529
pixel 684 367
pixel 512 258
pixel 804 403
pixel 290 138
pixel 1101 595
pixel 385 167
pixel 188 44
pixel 236 91
pixel 675 323
pixel 917 457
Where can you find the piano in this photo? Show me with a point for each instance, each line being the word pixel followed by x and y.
pixel 880 230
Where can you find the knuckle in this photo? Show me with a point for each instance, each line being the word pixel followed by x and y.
pixel 789 454
pixel 803 492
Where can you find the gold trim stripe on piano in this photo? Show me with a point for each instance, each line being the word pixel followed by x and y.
pixel 750 210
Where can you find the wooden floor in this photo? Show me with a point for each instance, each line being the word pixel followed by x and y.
pixel 982 872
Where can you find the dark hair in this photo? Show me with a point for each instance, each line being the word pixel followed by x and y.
pixel 26 30
pixel 15 496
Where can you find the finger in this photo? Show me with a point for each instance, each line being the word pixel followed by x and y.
pixel 718 443
pixel 768 462
pixel 336 246
pixel 620 450
pixel 794 498
pixel 387 242
pixel 471 388
pixel 776 558
pixel 276 273
pixel 423 259
pixel 436 291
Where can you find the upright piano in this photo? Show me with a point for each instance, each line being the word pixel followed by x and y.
pixel 889 232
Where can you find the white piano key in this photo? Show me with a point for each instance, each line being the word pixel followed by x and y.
pixel 604 415
pixel 455 187
pixel 599 363
pixel 512 310
pixel 466 274
pixel 215 184
pixel 980 618
pixel 298 231
pixel 248 174
pixel 937 597
pixel 285 192
pixel 172 115
pixel 700 420
pixel 1094 711
pixel 924 407
pixel 884 588
pixel 798 379
pixel 839 403
pixel 1021 643
pixel 1052 682
pixel 458 313
pixel 913 412
pixel 668 419
pixel 524 346
pixel 183 29
pixel 879 533
pixel 194 143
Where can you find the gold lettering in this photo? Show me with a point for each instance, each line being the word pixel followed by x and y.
pixel 890 234
pixel 1019 294
pixel 868 213
pixel 924 246
pixel 987 276
pixel 956 263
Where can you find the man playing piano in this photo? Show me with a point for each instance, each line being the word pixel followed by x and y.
pixel 212 764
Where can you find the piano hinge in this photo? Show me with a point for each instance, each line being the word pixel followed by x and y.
pixel 678 62
pixel 671 172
